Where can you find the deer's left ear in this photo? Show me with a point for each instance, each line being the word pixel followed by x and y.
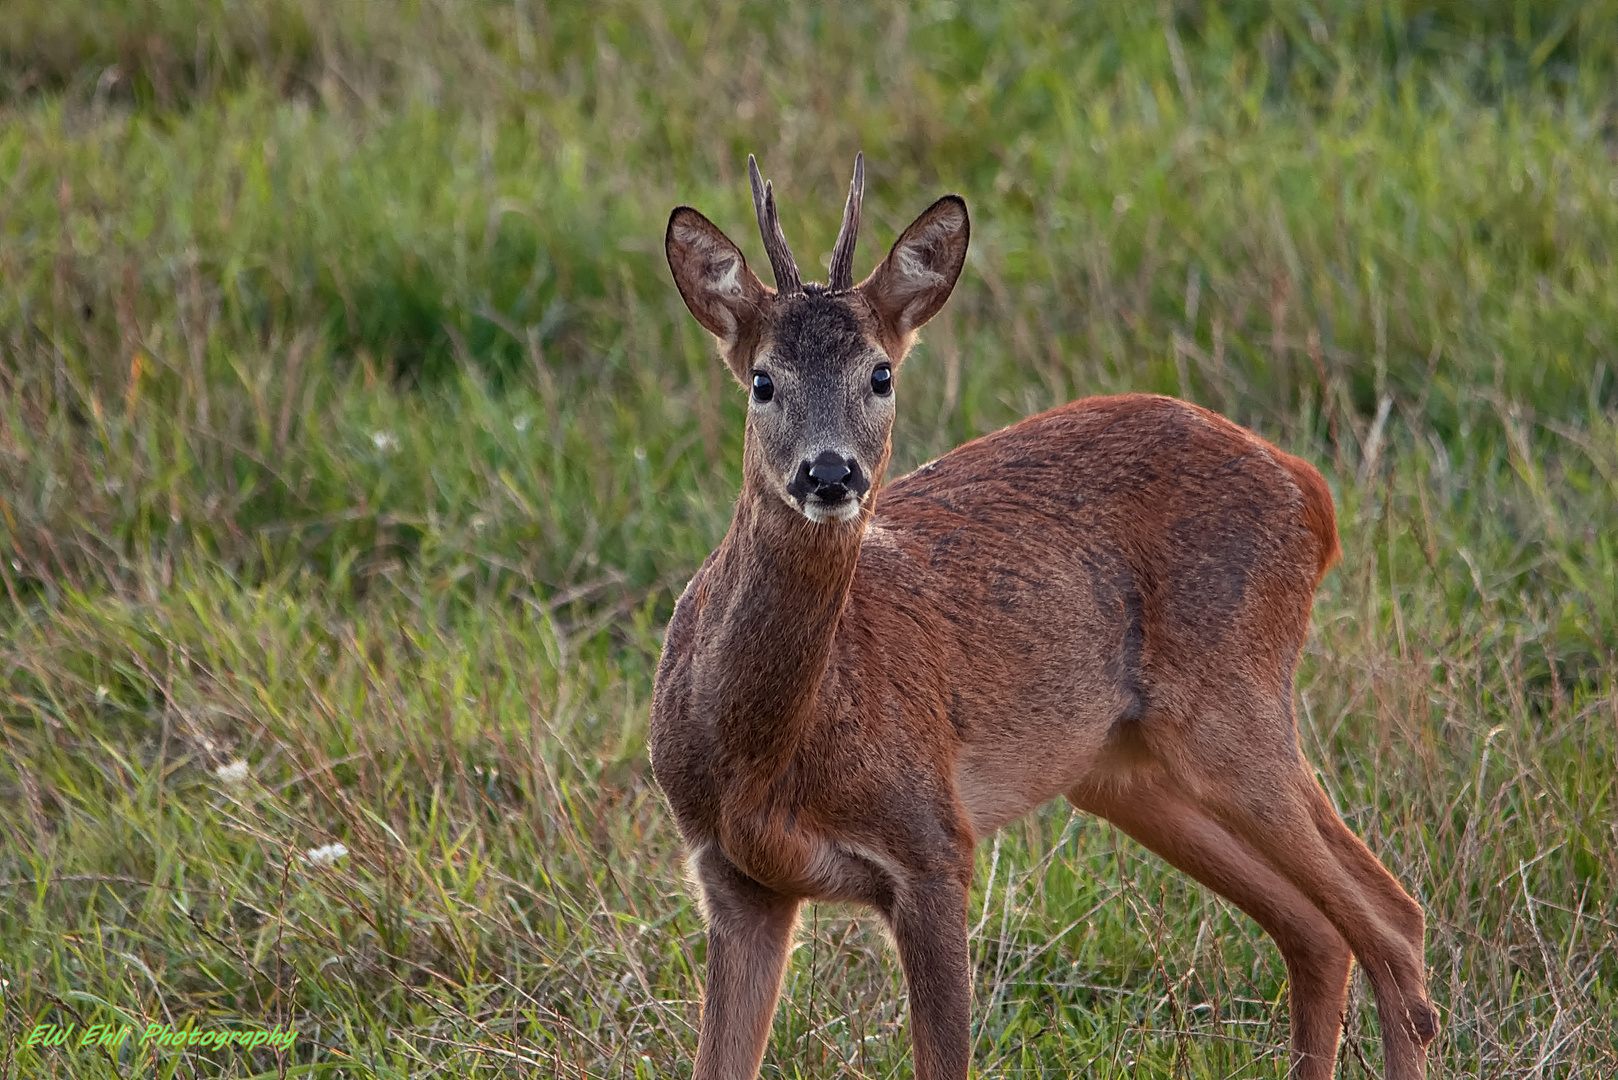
pixel 920 272
pixel 726 297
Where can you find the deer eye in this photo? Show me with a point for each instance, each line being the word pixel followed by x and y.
pixel 763 388
pixel 882 380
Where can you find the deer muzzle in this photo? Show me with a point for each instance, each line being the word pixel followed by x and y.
pixel 829 487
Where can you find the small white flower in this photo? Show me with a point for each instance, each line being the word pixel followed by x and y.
pixel 385 441
pixel 1121 203
pixel 520 423
pixel 101 694
pixel 325 856
pixel 232 772
pixel 640 454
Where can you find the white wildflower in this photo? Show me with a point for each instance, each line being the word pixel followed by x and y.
pixel 520 423
pixel 325 856
pixel 385 441
pixel 101 694
pixel 232 772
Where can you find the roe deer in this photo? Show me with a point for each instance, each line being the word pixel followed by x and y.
pixel 1105 601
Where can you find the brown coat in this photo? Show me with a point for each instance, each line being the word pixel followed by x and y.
pixel 1104 602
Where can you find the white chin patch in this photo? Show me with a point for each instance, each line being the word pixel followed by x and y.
pixel 820 513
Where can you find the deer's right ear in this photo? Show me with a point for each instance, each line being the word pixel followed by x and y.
pixel 726 297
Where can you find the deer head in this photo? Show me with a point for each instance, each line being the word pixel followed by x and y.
pixel 820 361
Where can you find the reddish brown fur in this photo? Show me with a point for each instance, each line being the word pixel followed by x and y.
pixel 1105 601
pixel 1318 512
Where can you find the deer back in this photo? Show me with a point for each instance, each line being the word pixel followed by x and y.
pixel 1068 577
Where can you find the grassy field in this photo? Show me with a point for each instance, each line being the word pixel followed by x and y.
pixel 351 428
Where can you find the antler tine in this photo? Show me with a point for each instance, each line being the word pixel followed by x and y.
pixel 769 224
pixel 842 255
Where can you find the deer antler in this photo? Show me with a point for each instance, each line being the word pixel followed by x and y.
pixel 842 254
pixel 843 251
pixel 775 244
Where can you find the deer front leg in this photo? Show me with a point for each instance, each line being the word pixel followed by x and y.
pixel 928 920
pixel 749 932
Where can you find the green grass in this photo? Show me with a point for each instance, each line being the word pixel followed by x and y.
pixel 349 426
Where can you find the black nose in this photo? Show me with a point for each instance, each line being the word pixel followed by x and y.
pixel 829 478
pixel 829 470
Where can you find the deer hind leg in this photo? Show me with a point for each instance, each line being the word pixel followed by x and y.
pixel 1249 776
pixel 1409 1021
pixel 1149 808
pixel 749 934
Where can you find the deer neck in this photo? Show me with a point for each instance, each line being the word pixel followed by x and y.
pixel 775 595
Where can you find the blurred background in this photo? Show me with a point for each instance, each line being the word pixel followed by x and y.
pixel 351 429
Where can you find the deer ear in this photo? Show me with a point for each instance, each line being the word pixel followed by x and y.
pixel 726 297
pixel 920 272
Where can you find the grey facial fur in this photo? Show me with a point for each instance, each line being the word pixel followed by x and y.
pixel 821 363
